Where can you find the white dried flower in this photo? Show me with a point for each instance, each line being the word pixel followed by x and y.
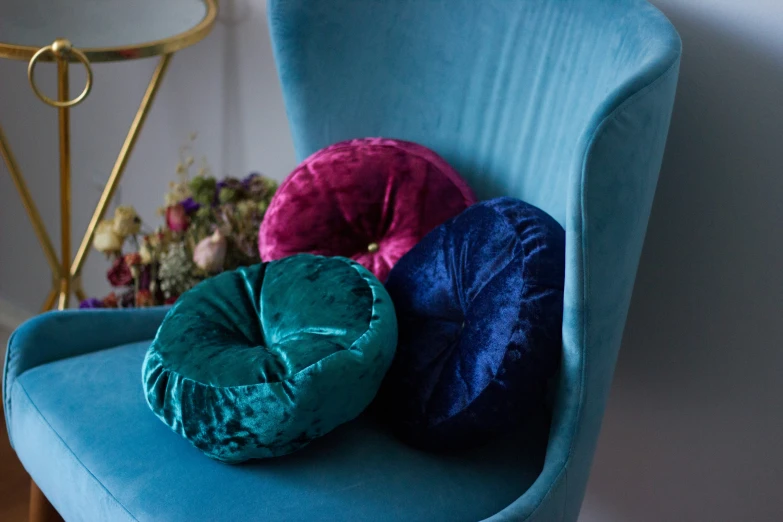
pixel 126 221
pixel 106 240
pixel 176 270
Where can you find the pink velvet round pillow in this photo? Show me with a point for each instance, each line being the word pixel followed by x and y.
pixel 368 199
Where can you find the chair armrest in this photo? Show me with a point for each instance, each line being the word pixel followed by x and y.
pixel 609 205
pixel 59 335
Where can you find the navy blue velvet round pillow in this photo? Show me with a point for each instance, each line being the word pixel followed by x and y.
pixel 479 304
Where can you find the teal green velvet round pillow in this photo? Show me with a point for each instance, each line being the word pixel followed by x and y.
pixel 258 362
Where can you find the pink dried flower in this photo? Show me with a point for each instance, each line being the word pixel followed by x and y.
pixel 177 219
pixel 210 253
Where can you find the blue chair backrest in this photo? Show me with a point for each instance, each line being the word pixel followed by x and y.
pixel 562 103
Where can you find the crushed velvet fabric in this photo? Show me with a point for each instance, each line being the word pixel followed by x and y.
pixel 480 306
pixel 368 199
pixel 258 362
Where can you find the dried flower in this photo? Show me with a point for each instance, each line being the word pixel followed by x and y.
pixel 133 259
pixel 128 299
pixel 185 162
pixel 145 252
pixel 204 171
pixel 177 219
pixel 210 226
pixel 227 195
pixel 161 238
pixel 145 278
pixel 203 213
pixel 249 178
pixel 126 221
pixel 144 298
pixel 106 240
pixel 231 183
pixel 110 301
pixel 210 253
pixel 119 274
pixel 246 249
pixel 203 189
pixel 176 270
pixel 259 187
pixel 91 303
pixel 189 205
pixel 246 208
pixel 229 190
pixel 177 192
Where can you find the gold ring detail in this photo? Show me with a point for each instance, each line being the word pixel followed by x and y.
pixel 50 49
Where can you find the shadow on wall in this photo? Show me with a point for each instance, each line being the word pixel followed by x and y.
pixel 694 422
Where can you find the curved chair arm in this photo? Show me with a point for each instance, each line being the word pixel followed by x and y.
pixel 609 204
pixel 59 335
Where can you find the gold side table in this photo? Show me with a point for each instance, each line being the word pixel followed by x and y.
pixel 84 32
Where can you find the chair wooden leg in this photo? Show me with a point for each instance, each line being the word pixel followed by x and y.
pixel 40 508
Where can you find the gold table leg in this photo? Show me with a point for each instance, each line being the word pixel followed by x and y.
pixel 67 274
pixel 119 165
pixel 29 205
pixel 51 298
pixel 64 118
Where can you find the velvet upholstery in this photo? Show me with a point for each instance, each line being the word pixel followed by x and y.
pixel 368 199
pixel 133 468
pixel 564 104
pixel 259 361
pixel 561 103
pixel 479 304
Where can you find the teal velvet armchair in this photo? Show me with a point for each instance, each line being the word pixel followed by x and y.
pixel 562 103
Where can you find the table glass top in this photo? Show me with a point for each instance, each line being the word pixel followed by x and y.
pixel 97 23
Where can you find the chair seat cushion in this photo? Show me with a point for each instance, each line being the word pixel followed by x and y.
pixel 480 306
pixel 367 199
pixel 259 361
pixel 83 431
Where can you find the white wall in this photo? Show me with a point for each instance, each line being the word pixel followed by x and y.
pixel 225 88
pixel 694 426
